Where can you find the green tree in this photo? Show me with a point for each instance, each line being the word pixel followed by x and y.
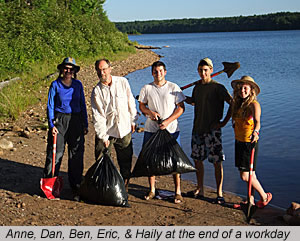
pixel 45 30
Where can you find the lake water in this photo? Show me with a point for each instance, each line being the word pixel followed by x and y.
pixel 272 58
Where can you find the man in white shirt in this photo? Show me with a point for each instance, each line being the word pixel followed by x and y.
pixel 114 115
pixel 163 100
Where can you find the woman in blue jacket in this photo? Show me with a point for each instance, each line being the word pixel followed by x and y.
pixel 67 118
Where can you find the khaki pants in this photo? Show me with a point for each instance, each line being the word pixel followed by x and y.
pixel 123 147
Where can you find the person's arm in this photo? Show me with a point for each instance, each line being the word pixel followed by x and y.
pixel 228 114
pixel 189 100
pixel 131 107
pixel 256 110
pixel 99 117
pixel 223 93
pixel 50 109
pixel 147 112
pixel 83 110
pixel 177 112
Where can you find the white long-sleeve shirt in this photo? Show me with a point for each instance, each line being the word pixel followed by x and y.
pixel 113 109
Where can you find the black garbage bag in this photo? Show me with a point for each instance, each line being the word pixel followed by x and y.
pixel 103 184
pixel 161 155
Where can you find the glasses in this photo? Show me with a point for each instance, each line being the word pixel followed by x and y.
pixel 103 69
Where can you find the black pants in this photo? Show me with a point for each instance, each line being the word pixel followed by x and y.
pixel 123 147
pixel 70 128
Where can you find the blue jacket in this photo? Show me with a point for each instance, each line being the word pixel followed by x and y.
pixel 66 99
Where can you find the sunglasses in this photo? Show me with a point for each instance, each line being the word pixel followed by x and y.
pixel 69 69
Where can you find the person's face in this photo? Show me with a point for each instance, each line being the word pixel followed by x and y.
pixel 68 70
pixel 159 74
pixel 104 72
pixel 244 91
pixel 205 72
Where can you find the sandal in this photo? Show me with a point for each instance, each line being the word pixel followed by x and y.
pixel 263 203
pixel 195 194
pixel 219 200
pixel 240 205
pixel 178 198
pixel 150 195
pixel 237 206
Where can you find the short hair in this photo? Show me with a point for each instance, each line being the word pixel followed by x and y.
pixel 98 62
pixel 157 64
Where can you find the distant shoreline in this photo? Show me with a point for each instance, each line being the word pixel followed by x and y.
pixel 266 22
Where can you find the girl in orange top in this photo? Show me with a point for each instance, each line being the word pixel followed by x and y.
pixel 246 114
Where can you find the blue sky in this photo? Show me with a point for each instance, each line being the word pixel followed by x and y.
pixel 131 10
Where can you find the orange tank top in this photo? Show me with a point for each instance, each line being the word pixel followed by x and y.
pixel 243 127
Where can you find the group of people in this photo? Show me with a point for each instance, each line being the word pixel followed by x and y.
pixel 114 116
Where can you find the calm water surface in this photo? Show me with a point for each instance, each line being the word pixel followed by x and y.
pixel 273 59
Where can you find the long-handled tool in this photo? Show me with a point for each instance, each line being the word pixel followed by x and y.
pixel 250 208
pixel 229 69
pixel 52 186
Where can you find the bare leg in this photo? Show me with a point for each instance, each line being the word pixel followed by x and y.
pixel 245 178
pixel 255 184
pixel 176 178
pixel 200 177
pixel 219 178
pixel 151 194
pixel 126 182
pixel 152 183
pixel 177 198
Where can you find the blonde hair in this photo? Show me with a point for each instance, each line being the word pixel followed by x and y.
pixel 241 107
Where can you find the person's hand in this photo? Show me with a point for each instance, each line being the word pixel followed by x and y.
pixel 154 116
pixel 85 131
pixel 254 136
pixel 217 125
pixel 164 125
pixel 106 143
pixel 189 100
pixel 54 131
pixel 132 128
pixel 221 124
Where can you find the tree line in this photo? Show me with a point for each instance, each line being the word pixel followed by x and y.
pixel 274 21
pixel 35 31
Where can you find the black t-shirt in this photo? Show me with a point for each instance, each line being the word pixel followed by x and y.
pixel 209 101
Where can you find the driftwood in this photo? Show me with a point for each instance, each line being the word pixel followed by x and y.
pixel 7 82
pixel 146 47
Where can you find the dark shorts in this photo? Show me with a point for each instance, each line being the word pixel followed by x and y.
pixel 208 145
pixel 243 155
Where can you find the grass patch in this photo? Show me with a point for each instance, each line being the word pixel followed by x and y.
pixel 20 95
